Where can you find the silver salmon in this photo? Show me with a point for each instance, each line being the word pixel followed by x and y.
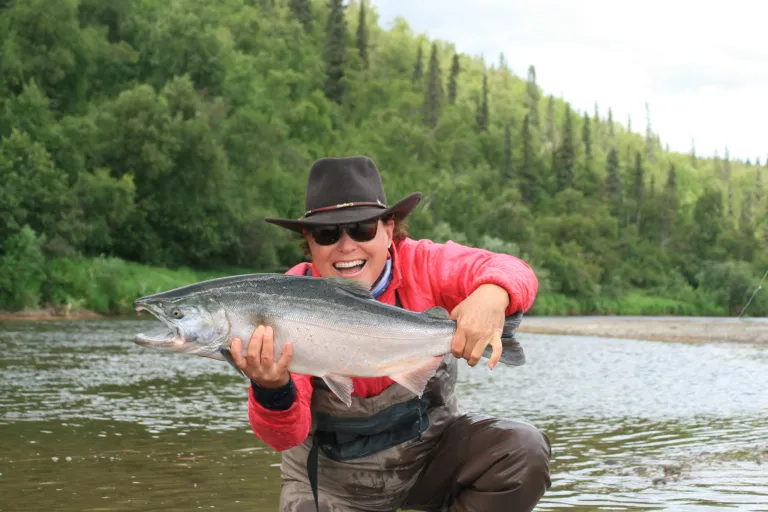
pixel 338 330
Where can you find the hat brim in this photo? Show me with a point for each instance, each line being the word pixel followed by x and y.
pixel 400 210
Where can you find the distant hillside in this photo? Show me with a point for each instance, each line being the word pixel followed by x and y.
pixel 162 132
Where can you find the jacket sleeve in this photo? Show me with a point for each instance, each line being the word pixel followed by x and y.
pixel 283 429
pixel 454 271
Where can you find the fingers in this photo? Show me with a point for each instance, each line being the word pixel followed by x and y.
pixel 472 340
pixel 479 321
pixel 458 343
pixel 254 348
pixel 285 359
pixel 236 349
pixel 470 344
pixel 477 350
pixel 268 348
pixel 497 348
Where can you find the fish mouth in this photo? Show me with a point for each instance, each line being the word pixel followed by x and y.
pixel 167 336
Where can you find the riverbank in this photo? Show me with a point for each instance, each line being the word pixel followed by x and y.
pixel 59 313
pixel 108 286
pixel 680 329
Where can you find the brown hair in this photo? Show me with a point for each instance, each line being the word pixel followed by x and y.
pixel 399 232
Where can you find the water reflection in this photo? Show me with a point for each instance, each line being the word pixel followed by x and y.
pixel 634 425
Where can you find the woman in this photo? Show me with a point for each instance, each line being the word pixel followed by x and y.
pixel 392 450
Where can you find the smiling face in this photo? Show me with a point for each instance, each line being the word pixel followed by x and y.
pixel 349 258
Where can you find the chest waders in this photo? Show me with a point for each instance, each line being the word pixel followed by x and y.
pixel 351 438
pixel 346 438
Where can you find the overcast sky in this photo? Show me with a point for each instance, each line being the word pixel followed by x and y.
pixel 701 66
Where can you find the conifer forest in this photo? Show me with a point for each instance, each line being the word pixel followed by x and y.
pixel 142 142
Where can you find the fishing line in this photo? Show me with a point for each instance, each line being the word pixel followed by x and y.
pixel 754 293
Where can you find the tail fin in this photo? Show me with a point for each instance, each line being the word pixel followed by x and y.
pixel 511 351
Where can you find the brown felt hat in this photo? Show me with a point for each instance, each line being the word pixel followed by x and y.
pixel 345 190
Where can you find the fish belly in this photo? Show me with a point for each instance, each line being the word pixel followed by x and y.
pixel 324 349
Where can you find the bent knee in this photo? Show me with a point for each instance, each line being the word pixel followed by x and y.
pixel 526 446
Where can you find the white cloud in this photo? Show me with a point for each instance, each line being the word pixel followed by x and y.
pixel 702 67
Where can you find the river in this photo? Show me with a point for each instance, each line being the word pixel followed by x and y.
pixel 91 422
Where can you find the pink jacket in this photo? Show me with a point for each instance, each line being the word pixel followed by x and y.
pixel 425 274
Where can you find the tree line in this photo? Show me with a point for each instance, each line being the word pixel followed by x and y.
pixel 163 132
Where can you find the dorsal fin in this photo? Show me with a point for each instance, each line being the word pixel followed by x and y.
pixel 438 312
pixel 353 286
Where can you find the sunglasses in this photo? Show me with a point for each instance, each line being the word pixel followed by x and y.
pixel 357 231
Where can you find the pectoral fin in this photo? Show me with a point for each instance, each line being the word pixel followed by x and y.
pixel 341 386
pixel 227 355
pixel 415 380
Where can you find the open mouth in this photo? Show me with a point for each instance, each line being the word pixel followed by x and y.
pixel 349 267
pixel 164 335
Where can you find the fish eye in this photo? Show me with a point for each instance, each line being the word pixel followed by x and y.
pixel 176 313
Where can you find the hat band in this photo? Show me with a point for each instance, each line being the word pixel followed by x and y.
pixel 378 204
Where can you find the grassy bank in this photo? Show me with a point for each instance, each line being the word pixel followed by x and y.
pixel 634 303
pixel 107 286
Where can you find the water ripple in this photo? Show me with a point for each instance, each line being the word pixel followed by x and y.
pixel 634 425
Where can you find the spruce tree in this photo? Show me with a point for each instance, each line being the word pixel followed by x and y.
pixel 716 165
pixel 649 138
pixel 504 69
pixel 302 10
pixel 596 131
pixel 482 116
pixel 670 206
pixel 453 79
pixel 639 187
pixel 532 97
pixel 747 228
pixel 335 51
pixel 611 131
pixel 586 137
pixel 528 177
pixel 550 121
pixel 433 94
pixel 613 182
pixel 729 182
pixel 746 216
pixel 507 171
pixel 694 163
pixel 362 35
pixel 418 70
pixel 566 154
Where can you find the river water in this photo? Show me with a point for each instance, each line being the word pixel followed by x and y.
pixel 91 422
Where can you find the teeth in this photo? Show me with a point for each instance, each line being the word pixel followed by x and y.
pixel 348 264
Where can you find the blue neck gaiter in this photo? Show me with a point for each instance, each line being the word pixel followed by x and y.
pixel 383 281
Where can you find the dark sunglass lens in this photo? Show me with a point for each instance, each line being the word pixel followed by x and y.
pixel 363 231
pixel 326 235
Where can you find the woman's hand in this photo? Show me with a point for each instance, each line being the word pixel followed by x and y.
pixel 480 321
pixel 259 362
